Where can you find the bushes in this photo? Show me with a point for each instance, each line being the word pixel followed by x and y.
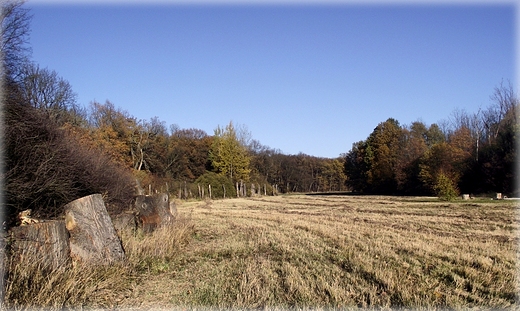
pixel 46 167
pixel 445 188
pixel 219 183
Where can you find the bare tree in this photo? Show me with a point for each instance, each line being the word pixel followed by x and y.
pixel 45 90
pixel 460 118
pixel 477 127
pixel 140 140
pixel 14 36
pixel 504 102
pixel 244 136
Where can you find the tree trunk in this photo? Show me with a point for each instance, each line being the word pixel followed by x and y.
pixel 93 238
pixel 46 241
pixel 141 159
pixel 138 187
pixel 153 211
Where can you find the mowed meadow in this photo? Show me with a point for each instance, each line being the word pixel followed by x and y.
pixel 298 252
pixel 329 252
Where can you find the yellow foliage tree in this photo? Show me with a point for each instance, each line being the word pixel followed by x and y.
pixel 228 155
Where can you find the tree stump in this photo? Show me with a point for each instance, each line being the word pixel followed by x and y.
pixel 93 239
pixel 47 242
pixel 126 221
pixel 153 211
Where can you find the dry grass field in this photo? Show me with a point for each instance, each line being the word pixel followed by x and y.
pixel 340 252
pixel 318 252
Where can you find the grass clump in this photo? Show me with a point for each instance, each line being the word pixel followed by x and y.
pixel 30 284
pixel 155 251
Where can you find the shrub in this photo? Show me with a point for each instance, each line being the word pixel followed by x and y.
pixel 46 167
pixel 445 188
pixel 218 183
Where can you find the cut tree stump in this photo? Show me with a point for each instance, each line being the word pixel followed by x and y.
pixel 93 239
pixel 46 241
pixel 153 211
pixel 126 221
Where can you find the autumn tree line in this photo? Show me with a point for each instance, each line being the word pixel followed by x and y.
pixel 471 153
pixel 56 150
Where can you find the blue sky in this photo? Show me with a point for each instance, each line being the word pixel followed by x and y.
pixel 302 78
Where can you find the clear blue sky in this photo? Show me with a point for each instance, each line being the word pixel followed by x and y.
pixel 302 78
